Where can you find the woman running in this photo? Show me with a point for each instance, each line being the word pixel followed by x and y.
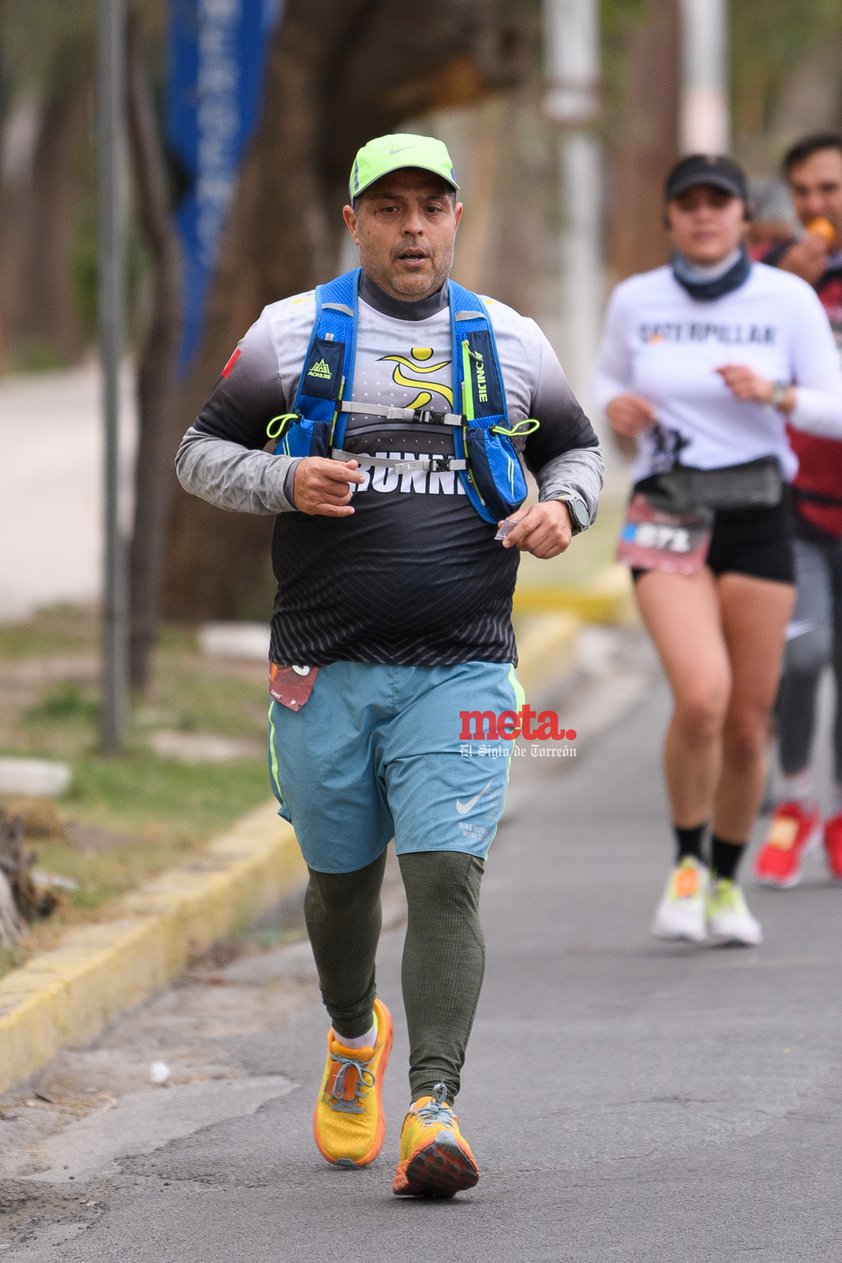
pixel 703 363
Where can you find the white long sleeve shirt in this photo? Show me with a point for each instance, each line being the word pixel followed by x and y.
pixel 665 346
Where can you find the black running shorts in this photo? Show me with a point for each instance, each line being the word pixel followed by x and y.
pixel 754 542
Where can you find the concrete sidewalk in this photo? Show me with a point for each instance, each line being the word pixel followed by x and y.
pixel 67 995
pixel 52 486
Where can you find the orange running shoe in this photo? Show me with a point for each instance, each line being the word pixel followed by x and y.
pixel 795 830
pixel 833 845
pixel 435 1159
pixel 348 1122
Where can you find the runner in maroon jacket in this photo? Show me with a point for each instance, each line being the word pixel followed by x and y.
pixel 813 169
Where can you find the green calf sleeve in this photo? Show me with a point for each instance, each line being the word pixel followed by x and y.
pixel 443 964
pixel 343 917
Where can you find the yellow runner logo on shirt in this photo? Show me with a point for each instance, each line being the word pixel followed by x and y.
pixel 417 365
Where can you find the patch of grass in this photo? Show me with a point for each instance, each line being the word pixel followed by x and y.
pixel 129 816
pixel 88 867
pixel 159 799
pixel 191 696
pixel 66 703
pixel 59 629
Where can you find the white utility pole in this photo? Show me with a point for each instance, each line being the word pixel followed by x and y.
pixel 571 41
pixel 704 123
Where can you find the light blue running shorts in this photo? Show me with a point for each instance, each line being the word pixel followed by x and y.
pixel 378 752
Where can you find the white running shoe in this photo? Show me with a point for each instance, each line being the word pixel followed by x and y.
pixel 681 913
pixel 729 920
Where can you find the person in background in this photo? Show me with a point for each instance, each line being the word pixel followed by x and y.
pixel 813 169
pixel 772 220
pixel 400 408
pixel 703 364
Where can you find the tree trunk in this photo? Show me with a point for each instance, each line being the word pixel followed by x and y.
pixel 43 305
pixel 646 141
pixel 158 423
pixel 337 75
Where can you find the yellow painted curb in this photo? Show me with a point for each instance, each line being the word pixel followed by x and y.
pixel 608 599
pixel 67 995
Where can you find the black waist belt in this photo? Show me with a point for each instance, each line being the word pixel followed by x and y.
pixel 755 484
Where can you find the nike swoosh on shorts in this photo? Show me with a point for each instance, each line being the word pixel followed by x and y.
pixel 464 808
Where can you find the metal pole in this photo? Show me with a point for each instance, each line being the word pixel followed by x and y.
pixel 111 308
pixel 704 124
pixel 573 102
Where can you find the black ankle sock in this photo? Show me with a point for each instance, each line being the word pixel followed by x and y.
pixel 689 841
pixel 725 857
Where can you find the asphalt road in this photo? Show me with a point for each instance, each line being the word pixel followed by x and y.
pixel 627 1100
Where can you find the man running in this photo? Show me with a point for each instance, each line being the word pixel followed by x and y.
pixel 813 169
pixel 393 614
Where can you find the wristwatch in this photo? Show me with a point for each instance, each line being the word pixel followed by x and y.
pixel 780 390
pixel 580 518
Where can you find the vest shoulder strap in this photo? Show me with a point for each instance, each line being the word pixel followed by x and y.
pixel 477 379
pixel 328 369
pixel 487 464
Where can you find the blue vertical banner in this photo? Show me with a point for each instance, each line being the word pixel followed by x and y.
pixel 217 55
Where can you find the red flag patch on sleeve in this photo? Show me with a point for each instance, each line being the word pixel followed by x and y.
pixel 233 360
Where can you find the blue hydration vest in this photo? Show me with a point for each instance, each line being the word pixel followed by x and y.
pixel 483 454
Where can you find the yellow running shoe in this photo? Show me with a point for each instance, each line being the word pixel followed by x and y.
pixel 435 1160
pixel 348 1122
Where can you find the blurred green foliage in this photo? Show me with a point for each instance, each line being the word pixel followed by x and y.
pixel 45 45
pixel 767 43
pixel 33 34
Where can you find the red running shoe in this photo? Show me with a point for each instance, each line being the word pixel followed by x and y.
pixel 795 830
pixel 833 845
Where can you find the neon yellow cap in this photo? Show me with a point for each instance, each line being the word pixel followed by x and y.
pixel 392 153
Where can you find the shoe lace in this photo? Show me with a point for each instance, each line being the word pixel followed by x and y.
pixel 436 1111
pixel 340 1096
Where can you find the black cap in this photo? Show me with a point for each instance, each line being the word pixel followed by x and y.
pixel 701 168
